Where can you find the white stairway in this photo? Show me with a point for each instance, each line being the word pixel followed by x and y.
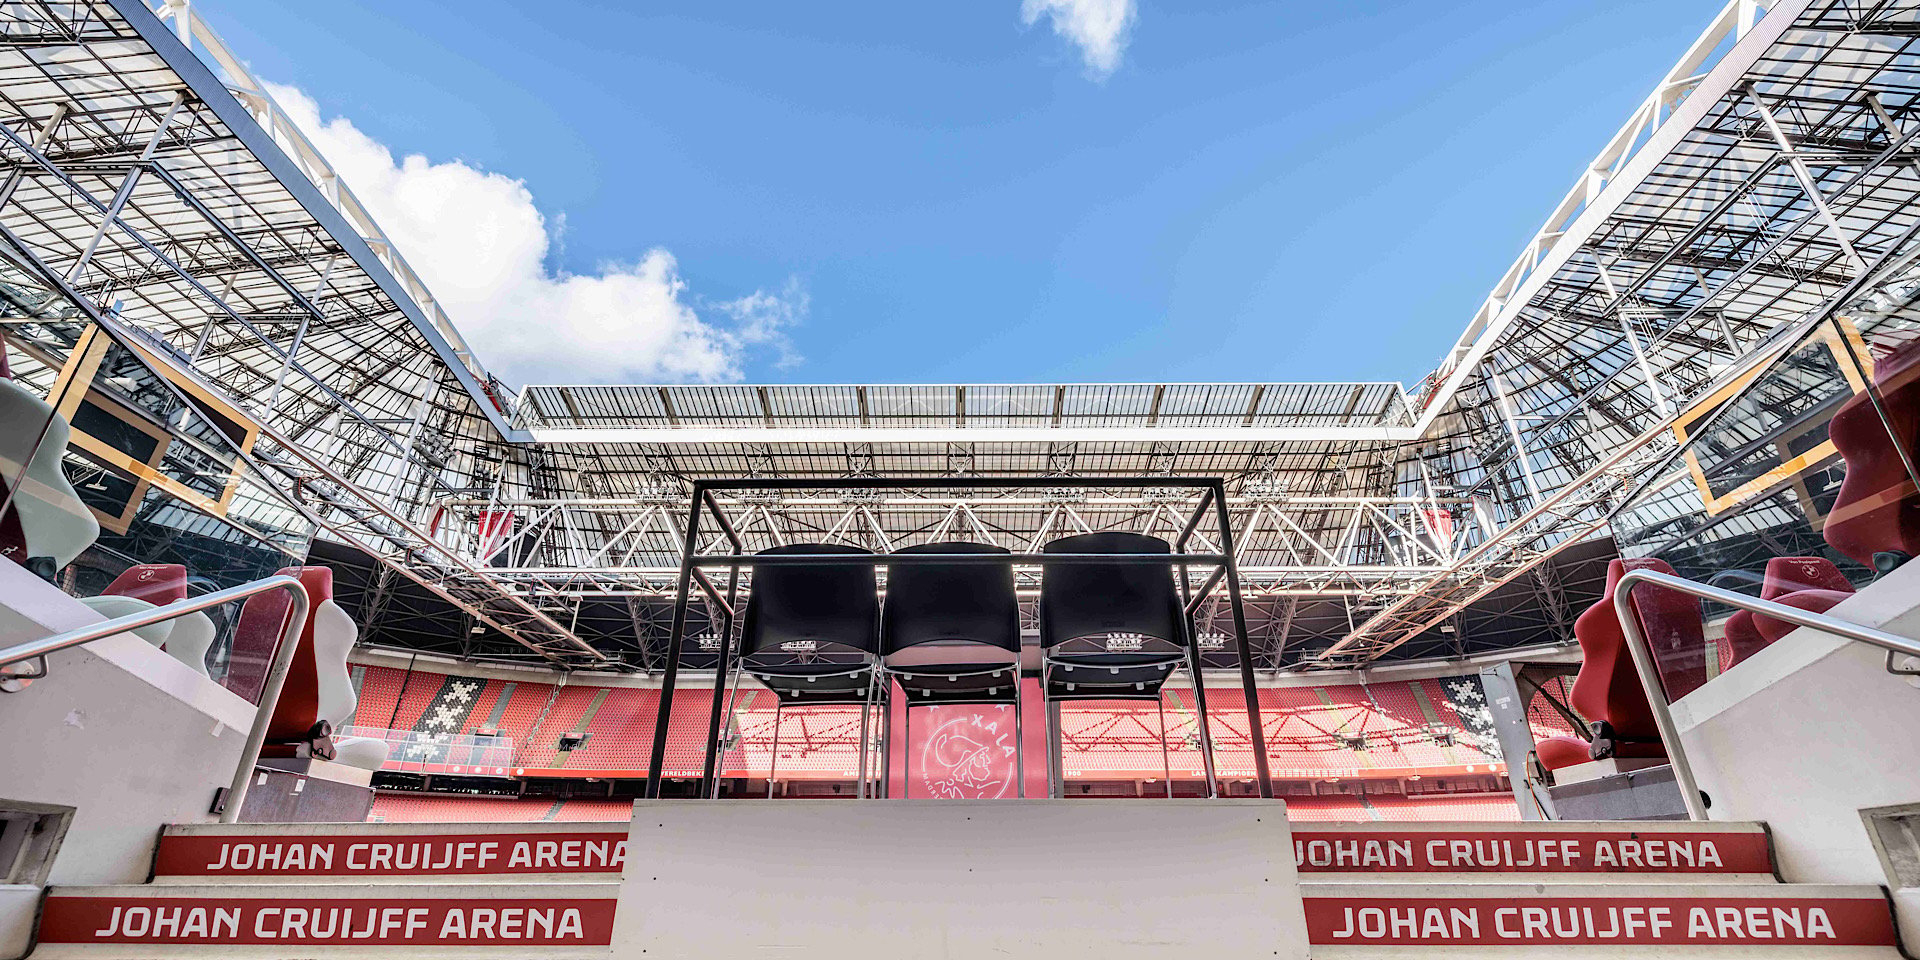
pixel 1430 890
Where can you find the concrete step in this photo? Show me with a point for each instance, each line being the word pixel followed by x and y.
pixel 1575 851
pixel 394 852
pixel 266 921
pixel 1589 920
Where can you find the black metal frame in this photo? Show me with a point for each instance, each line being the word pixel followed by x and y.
pixel 693 571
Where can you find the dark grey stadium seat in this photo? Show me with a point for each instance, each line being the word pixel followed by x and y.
pixel 951 632
pixel 1109 631
pixel 812 633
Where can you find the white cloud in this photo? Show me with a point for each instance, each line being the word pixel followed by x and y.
pixel 482 247
pixel 1098 27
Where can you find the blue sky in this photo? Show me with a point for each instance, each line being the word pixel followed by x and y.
pixel 932 192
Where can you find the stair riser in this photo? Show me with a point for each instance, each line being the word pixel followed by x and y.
pixel 1573 921
pixel 339 922
pixel 1342 921
pixel 1318 850
pixel 589 854
pixel 1530 851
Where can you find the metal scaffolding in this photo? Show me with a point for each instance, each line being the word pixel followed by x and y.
pixel 148 183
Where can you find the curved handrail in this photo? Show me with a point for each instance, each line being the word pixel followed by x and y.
pixel 1650 674
pixel 276 672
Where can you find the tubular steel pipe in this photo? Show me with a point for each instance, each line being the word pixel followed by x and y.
pixel 1244 646
pixel 676 637
pixel 947 483
pixel 965 559
pixel 1649 672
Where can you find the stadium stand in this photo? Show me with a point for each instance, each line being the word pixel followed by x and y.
pixel 394 808
pixel 402 808
pixel 1545 720
pixel 1429 807
pixel 1380 730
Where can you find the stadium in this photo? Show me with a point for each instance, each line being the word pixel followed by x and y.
pixel 322 640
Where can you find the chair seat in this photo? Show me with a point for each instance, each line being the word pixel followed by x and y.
pixel 1743 638
pixel 833 688
pixel 1068 681
pixel 1812 601
pixel 1558 752
pixel 115 607
pixel 950 656
pixel 993 686
pixel 363 752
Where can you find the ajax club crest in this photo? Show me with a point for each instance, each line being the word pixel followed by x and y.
pixel 969 758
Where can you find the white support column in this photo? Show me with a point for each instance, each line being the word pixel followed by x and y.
pixel 1633 339
pixel 1807 182
pixel 1512 421
pixel 125 192
pixel 1509 711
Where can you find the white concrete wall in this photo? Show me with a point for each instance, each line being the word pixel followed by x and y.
pixel 128 736
pixel 909 879
pixel 1809 732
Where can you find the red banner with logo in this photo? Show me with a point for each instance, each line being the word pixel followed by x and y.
pixel 1440 922
pixel 391 855
pixel 328 921
pixel 1521 851
pixel 969 752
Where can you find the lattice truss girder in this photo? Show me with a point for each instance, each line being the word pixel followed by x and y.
pixel 1308 515
pixel 1796 181
pixel 1764 186
pixel 1793 172
pixel 134 185
pixel 1764 178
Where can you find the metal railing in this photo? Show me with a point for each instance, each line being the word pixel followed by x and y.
pixel 1649 671
pixel 269 694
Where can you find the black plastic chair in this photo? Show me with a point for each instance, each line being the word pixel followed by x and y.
pixel 950 633
pixel 1109 631
pixel 811 634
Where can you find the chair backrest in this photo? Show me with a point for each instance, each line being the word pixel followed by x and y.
pixel 935 602
pixel 155 583
pixel 1608 688
pixel 299 707
pixel 1081 600
pixel 190 639
pixel 333 635
pixel 1877 508
pixel 814 608
pixel 46 518
pixel 1792 574
pixel 141 588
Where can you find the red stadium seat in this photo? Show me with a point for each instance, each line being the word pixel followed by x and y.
pixel 298 724
pixel 1743 638
pixel 1607 692
pixel 1557 752
pixel 1809 583
pixel 1812 601
pixel 155 583
pixel 139 589
pixel 1877 510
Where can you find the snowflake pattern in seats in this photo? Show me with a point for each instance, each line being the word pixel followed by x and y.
pixel 1469 700
pixel 444 718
